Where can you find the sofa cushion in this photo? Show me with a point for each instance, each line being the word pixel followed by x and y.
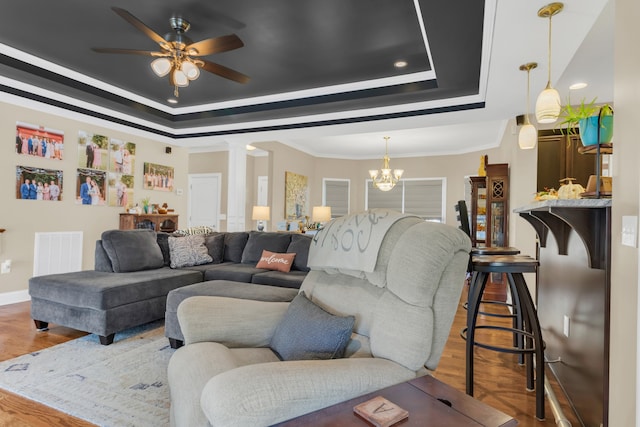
pixel 132 250
pixel 259 241
pixel 276 261
pixel 300 246
pixel 188 250
pixel 234 244
pixel 307 332
pixel 101 259
pixel 163 242
pixel 292 279
pixel 235 272
pixel 215 246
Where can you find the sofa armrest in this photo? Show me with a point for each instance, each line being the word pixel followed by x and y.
pixel 269 393
pixel 232 322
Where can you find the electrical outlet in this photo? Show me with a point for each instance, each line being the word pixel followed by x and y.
pixel 630 231
pixel 566 326
pixel 5 267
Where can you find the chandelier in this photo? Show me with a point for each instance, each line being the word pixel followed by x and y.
pixel 181 69
pixel 385 180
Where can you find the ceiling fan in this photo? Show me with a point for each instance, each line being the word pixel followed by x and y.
pixel 179 56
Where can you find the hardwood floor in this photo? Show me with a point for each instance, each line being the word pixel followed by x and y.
pixel 499 379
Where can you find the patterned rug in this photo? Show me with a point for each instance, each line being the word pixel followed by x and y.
pixel 123 384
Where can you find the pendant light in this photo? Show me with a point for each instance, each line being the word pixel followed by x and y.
pixel 548 102
pixel 528 136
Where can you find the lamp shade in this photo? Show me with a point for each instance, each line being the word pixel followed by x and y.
pixel 321 214
pixel 528 137
pixel 261 213
pixel 161 66
pixel 190 70
pixel 548 106
pixel 179 78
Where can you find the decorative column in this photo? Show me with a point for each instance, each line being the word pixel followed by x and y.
pixel 237 190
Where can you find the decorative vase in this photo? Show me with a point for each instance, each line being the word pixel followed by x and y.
pixel 146 208
pixel 589 130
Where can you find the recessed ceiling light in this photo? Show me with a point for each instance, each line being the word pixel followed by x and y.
pixel 400 64
pixel 172 101
pixel 579 85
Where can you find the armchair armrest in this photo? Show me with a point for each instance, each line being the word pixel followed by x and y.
pixel 232 322
pixel 268 393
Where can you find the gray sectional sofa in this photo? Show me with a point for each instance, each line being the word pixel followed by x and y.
pixel 133 275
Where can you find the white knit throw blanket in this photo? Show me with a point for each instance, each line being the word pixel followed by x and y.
pixel 352 242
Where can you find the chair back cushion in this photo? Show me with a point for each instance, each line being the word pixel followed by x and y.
pixel 407 310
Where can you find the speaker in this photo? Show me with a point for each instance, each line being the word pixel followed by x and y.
pixel 167 150
pixel 520 120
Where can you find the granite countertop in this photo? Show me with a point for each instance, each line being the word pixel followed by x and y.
pixel 564 203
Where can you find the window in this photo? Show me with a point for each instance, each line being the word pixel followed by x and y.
pixel 424 197
pixel 335 193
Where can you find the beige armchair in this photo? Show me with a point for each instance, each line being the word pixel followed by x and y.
pixel 403 303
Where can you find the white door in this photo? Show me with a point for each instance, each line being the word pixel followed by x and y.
pixel 204 199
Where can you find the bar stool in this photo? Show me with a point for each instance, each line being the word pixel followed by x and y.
pixel 527 327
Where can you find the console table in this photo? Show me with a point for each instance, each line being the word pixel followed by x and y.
pixel 158 222
pixel 429 402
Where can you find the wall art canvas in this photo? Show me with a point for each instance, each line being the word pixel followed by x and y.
pixel 39 141
pixel 91 185
pixel 122 155
pixel 120 190
pixel 296 195
pixel 93 151
pixel 158 177
pixel 38 184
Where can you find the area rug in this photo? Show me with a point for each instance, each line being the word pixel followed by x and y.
pixel 123 384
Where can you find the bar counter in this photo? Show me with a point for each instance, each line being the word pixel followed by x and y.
pixel 573 292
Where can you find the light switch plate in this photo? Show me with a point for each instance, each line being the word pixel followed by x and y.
pixel 630 231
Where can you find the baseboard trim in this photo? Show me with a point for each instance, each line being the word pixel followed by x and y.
pixel 14 297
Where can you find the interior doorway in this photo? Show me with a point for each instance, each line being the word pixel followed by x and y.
pixel 204 199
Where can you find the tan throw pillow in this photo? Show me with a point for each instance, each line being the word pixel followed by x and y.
pixel 275 261
pixel 188 251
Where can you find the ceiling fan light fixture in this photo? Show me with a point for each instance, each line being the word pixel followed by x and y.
pixel 161 66
pixel 180 78
pixel 190 69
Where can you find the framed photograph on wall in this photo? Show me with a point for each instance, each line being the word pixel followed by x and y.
pixel 91 187
pixel 39 141
pixel 158 177
pixel 296 196
pixel 38 184
pixel 93 151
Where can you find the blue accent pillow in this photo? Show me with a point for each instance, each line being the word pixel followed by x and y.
pixel 307 332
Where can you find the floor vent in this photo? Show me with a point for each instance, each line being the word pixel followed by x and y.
pixel 58 252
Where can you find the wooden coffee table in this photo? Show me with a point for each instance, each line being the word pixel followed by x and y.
pixel 429 402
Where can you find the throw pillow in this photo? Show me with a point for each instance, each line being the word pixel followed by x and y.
pixel 307 332
pixel 132 250
pixel 188 251
pixel 274 261
pixel 259 241
pixel 190 231
pixel 215 246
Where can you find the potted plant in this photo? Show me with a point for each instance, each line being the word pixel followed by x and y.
pixel 585 117
pixel 145 204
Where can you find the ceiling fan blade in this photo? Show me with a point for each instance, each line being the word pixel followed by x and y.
pixel 127 51
pixel 215 45
pixel 139 25
pixel 225 72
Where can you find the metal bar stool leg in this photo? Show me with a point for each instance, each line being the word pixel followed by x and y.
pixel 518 339
pixel 475 298
pixel 533 325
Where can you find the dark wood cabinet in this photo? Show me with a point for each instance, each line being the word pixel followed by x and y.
pixel 490 218
pixel 157 222
pixel 559 158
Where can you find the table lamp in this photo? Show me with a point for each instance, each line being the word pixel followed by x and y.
pixel 320 215
pixel 260 214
